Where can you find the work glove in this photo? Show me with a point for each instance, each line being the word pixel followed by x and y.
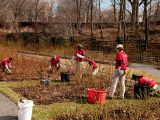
pixel 120 72
pixel 80 56
pixel 9 72
pixel 49 69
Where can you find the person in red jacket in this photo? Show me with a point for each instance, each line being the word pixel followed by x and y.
pixel 6 64
pixel 79 58
pixel 54 63
pixel 144 80
pixel 93 66
pixel 121 63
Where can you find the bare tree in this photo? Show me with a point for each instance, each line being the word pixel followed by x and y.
pixel 147 15
pixel 86 5
pixel 100 19
pixel 17 10
pixel 4 8
pixel 36 12
pixel 79 6
pixel 135 4
pixel 4 5
pixel 157 10
pixel 67 16
pixel 37 8
pixel 91 2
pixel 114 2
pixel 121 17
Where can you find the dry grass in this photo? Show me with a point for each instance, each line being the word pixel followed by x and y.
pixel 23 68
pixel 108 34
pixel 119 110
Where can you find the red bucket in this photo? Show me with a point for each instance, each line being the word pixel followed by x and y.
pixel 96 95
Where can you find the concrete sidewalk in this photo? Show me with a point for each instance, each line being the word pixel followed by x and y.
pixel 8 109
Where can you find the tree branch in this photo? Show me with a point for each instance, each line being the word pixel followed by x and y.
pixel 130 2
pixel 129 12
pixel 5 8
pixel 141 2
pixel 149 2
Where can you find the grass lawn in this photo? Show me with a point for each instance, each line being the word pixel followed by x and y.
pixel 46 112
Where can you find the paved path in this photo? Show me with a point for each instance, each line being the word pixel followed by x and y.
pixel 148 68
pixel 8 109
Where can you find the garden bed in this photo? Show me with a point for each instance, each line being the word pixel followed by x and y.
pixel 58 92
pixel 53 93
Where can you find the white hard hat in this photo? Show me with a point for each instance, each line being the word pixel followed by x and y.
pixel 80 45
pixel 119 46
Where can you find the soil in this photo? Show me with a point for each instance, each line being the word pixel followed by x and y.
pixel 57 91
pixel 33 75
pixel 42 95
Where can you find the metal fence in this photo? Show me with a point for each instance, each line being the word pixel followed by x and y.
pixel 136 47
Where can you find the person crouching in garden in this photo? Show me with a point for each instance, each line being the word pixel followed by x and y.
pixel 93 70
pixel 54 64
pixel 79 58
pixel 6 65
pixel 119 72
pixel 141 80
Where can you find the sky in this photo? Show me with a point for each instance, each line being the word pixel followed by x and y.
pixel 105 4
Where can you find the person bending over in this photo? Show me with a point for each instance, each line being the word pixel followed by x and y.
pixel 141 80
pixel 6 65
pixel 54 63
pixel 94 68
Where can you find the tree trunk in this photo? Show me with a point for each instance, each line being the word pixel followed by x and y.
pixel 100 19
pixel 36 24
pixel 85 16
pixel 114 7
pixel 77 5
pixel 157 11
pixel 133 13
pixel 79 15
pixel 88 8
pixel 124 19
pixel 137 18
pixel 91 17
pixel 146 21
pixel 120 18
